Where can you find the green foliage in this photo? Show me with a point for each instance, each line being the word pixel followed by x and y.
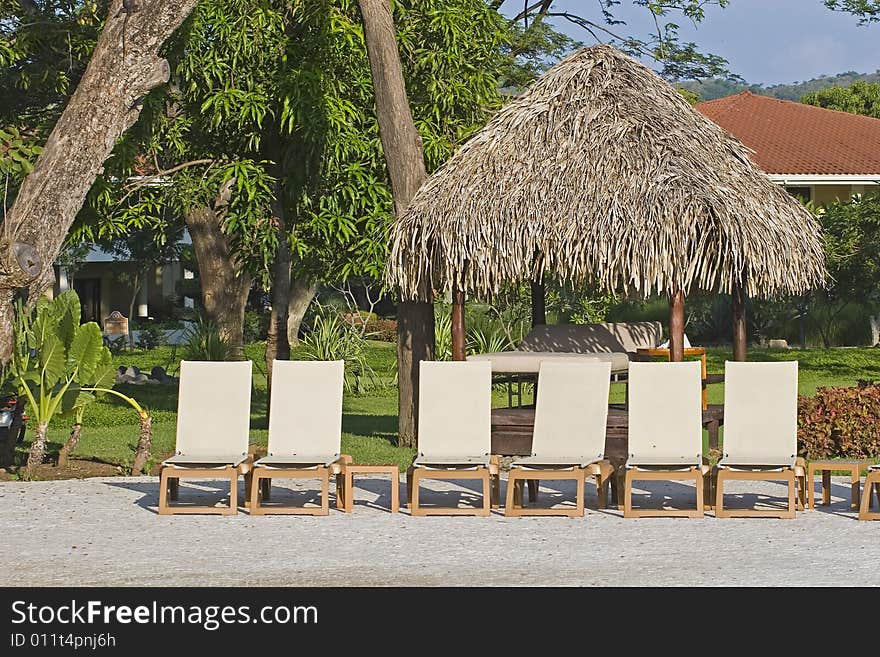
pixel 202 341
pixel 480 341
pixel 442 334
pixel 150 337
pixel 840 422
pixel 451 54
pixel 45 46
pixel 867 11
pixel 256 326
pixel 851 232
pixel 719 87
pixel 17 153
pixel 674 59
pixel 55 357
pixel 333 339
pixel 859 98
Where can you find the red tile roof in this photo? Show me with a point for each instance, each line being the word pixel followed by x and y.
pixel 793 138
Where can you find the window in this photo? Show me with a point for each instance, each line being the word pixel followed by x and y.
pixel 803 194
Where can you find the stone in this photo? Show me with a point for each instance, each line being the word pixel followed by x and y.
pixel 778 344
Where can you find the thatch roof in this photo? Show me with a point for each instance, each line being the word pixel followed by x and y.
pixel 602 173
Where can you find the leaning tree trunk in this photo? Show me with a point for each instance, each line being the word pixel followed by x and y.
pixel 405 159
pixel 70 445
pixel 38 449
pixel 302 290
pixel 224 288
pixel 145 443
pixel 124 67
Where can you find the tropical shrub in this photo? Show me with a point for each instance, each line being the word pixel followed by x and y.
pixel 331 338
pixel 150 337
pixel 840 422
pixel 202 341
pixel 54 360
pixel 256 326
pixel 442 335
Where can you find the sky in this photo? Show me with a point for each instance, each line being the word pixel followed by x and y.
pixel 765 41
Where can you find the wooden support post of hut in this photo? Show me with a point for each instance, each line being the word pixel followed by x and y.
pixel 676 327
pixel 739 321
pixel 539 308
pixel 458 329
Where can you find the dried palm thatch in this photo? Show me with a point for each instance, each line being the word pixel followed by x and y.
pixel 602 173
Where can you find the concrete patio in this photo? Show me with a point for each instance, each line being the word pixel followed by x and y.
pixel 106 532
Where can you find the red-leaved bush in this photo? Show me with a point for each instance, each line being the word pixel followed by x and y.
pixel 840 422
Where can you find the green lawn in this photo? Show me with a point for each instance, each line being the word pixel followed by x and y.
pixel 370 418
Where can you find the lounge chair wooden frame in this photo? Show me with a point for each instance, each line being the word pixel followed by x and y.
pixel 697 474
pixel 872 484
pixel 796 492
pixel 489 476
pixel 258 482
pixel 602 472
pixel 169 488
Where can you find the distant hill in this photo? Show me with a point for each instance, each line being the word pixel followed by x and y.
pixel 718 88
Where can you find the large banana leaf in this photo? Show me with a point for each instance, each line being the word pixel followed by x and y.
pixel 104 374
pixel 67 311
pixel 75 398
pixel 52 360
pixel 85 351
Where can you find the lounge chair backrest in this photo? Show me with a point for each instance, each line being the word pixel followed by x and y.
pixel 665 411
pixel 455 408
pixel 590 338
pixel 572 409
pixel 305 414
pixel 213 408
pixel 760 412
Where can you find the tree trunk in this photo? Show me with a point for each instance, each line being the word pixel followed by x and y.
pixel 277 346
pixel 38 449
pixel 224 289
pixel 539 304
pixel 134 295
pixel 404 157
pixel 145 443
pixel 302 291
pixel 874 321
pixel 106 103
pixel 7 449
pixel 70 445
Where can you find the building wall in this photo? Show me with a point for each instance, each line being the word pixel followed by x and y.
pixel 115 286
pixel 831 193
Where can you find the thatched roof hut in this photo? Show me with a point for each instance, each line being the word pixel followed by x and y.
pixel 602 173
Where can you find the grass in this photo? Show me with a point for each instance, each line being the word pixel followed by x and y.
pixel 369 423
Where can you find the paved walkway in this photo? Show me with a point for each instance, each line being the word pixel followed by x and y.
pixel 106 532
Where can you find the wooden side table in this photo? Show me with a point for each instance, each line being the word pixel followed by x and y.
pixel 825 467
pixel 350 470
pixel 688 351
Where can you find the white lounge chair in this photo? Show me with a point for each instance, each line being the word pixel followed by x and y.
pixel 872 484
pixel 305 433
pixel 571 414
pixel 665 431
pixel 213 422
pixel 455 406
pixel 760 433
